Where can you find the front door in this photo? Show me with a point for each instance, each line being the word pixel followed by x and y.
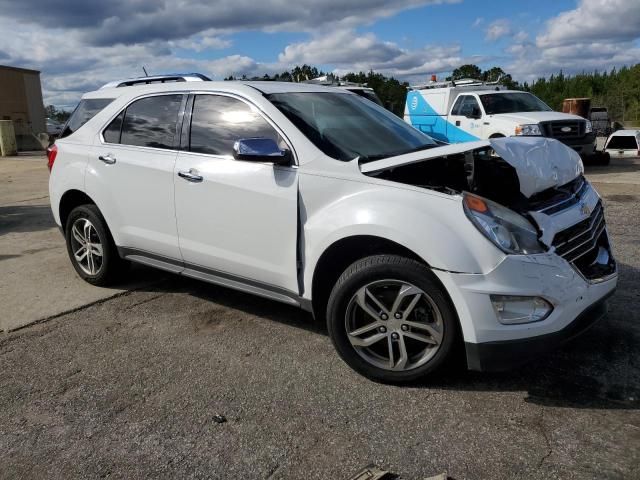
pixel 462 126
pixel 235 218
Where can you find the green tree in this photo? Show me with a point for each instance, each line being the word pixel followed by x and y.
pixel 466 71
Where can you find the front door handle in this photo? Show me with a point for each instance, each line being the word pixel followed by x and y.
pixel 457 123
pixel 191 175
pixel 108 159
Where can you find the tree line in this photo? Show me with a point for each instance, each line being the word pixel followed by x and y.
pixel 617 89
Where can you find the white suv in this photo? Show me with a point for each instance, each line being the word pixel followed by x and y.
pixel 316 197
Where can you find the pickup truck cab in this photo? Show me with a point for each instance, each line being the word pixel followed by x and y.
pixel 468 110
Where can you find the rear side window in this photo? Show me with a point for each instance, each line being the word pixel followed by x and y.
pixel 217 122
pixel 149 122
pixel 111 134
pixel 620 142
pixel 84 112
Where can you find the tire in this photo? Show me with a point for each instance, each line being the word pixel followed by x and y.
pixel 431 318
pixel 93 268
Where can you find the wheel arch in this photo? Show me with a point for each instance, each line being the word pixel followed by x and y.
pixel 70 200
pixel 335 259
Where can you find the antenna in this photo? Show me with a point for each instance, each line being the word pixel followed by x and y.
pixel 145 71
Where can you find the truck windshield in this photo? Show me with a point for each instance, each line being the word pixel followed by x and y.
pixel 346 126
pixel 512 102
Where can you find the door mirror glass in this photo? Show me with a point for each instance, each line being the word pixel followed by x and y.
pixel 260 150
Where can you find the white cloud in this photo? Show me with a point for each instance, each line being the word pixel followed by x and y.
pixel 498 29
pixel 593 20
pixel 478 21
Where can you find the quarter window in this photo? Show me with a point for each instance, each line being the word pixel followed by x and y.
pixel 149 122
pixel 218 121
pixel 111 134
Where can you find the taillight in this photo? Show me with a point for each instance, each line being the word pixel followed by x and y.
pixel 52 151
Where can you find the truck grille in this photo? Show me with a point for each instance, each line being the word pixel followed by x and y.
pixel 564 129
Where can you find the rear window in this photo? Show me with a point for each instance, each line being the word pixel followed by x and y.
pixel 84 112
pixel 619 142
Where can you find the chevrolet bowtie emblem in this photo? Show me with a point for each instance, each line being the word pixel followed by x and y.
pixel 584 209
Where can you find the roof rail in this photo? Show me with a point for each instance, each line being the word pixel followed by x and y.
pixel 329 81
pixel 170 77
pixel 463 82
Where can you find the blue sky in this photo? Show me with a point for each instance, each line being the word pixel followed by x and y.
pixel 78 45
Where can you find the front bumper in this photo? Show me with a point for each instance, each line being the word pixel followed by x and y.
pixel 508 354
pixel 491 345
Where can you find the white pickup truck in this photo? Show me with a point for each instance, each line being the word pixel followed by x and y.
pixel 468 110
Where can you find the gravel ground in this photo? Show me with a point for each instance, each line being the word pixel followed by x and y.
pixel 132 387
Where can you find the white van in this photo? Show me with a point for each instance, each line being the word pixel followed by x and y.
pixel 623 143
pixel 469 110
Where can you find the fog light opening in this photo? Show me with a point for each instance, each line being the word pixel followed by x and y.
pixel 515 310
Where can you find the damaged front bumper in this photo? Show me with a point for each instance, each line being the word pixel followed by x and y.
pixel 491 345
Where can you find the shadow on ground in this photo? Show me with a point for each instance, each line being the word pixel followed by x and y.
pixel 25 218
pixel 598 370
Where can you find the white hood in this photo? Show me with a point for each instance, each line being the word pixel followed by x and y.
pixel 539 162
pixel 535 117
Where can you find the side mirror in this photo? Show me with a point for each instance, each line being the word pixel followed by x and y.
pixel 260 150
pixel 475 113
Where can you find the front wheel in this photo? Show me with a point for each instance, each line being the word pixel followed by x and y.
pixel 390 319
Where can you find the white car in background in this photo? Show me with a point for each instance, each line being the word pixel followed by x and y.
pixel 623 143
pixel 318 198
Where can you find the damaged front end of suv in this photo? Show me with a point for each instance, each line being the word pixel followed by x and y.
pixel 530 199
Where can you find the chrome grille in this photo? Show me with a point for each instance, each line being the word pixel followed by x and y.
pixel 564 129
pixel 582 238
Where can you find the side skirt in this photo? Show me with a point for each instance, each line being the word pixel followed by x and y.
pixel 215 277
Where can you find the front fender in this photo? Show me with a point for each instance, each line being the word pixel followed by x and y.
pixel 430 224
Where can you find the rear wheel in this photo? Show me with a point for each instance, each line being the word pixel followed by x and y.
pixel 91 248
pixel 390 320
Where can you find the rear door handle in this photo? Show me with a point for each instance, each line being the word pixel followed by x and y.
pixel 108 159
pixel 191 175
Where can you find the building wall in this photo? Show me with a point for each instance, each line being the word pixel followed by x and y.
pixel 21 100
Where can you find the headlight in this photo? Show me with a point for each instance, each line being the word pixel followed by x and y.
pixel 528 130
pixel 588 127
pixel 509 231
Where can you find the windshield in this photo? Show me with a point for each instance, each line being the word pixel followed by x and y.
pixel 347 126
pixel 511 102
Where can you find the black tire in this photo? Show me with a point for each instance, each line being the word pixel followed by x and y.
pixel 111 266
pixel 380 268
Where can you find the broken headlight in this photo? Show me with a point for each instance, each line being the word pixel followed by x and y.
pixel 509 231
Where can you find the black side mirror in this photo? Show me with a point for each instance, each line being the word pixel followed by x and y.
pixel 260 150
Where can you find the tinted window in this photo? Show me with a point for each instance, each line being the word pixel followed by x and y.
pixel 217 122
pixel 347 126
pixel 511 102
pixel 623 142
pixel 151 122
pixel 111 134
pixel 468 105
pixel 84 112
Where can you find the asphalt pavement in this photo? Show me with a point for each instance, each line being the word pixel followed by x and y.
pixel 166 377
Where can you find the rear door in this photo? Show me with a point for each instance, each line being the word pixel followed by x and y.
pixel 623 146
pixel 130 175
pixel 236 219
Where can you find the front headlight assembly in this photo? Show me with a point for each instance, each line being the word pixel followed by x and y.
pixel 509 231
pixel 528 130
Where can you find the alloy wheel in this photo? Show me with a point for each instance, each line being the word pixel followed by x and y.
pixel 394 325
pixel 86 246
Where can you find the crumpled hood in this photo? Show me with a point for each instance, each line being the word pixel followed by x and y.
pixel 540 163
